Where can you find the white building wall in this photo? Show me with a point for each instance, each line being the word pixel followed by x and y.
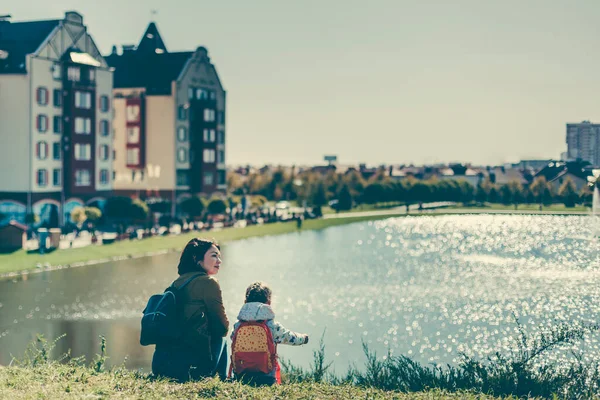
pixel 40 72
pixel 14 133
pixel 104 84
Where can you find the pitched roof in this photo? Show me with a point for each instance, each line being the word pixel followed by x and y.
pixel 19 39
pixel 152 71
pixel 149 65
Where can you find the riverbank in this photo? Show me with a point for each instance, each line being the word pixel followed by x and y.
pixel 57 381
pixel 21 262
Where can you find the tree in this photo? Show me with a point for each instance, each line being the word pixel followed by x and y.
pixel 493 195
pixel 480 194
pixel 319 196
pixel 193 206
pixel 118 207
pixel 217 206
pixel 138 211
pixel 540 190
pixel 467 192
pixel 506 195
pixel 568 193
pixel 78 215
pixel 586 195
pixel 374 193
pixel 344 198
pixel 517 193
pixel 92 214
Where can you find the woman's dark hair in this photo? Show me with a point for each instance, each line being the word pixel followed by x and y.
pixel 258 292
pixel 194 251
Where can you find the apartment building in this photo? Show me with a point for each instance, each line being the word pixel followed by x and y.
pixel 55 119
pixel 169 121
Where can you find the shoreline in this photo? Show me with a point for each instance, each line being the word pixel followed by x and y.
pixel 73 259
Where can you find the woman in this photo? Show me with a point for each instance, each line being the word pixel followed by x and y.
pixel 201 351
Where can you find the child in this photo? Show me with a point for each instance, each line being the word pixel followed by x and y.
pixel 255 337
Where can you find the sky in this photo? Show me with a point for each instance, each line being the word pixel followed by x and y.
pixel 378 82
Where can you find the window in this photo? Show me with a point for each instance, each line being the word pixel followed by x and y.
pixel 83 125
pixel 56 177
pixel 56 151
pixel 182 134
pixel 209 135
pixel 213 95
pixel 221 137
pixel 220 157
pixel 82 177
pixel 104 151
pixel 92 74
pixel 221 117
pixel 41 150
pixel 133 134
pixel 104 176
pixel 191 93
pixel 56 74
pixel 57 125
pixel 42 123
pixel 209 156
pixel 104 104
pixel 133 156
pixel 133 113
pixel 208 178
pixel 42 96
pixel 182 155
pixel 183 177
pixel 83 100
pixel 209 115
pixel 222 177
pixel 83 152
pixel 181 113
pixel 42 177
pixel 202 94
pixel 74 74
pixel 57 97
pixel 104 128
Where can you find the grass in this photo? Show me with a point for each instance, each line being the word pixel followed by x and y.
pixel 522 207
pixel 21 260
pixel 38 375
pixel 365 207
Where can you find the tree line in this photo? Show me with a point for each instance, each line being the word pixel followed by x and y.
pixel 351 188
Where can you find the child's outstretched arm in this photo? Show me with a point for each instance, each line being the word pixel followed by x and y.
pixel 282 335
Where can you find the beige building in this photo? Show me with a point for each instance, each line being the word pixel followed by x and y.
pixel 55 117
pixel 169 121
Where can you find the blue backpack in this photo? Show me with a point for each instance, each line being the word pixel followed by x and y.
pixel 162 322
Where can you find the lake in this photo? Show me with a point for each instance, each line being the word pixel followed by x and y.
pixel 429 287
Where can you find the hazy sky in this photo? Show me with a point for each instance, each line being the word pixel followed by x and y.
pixel 384 81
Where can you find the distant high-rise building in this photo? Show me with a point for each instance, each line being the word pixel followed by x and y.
pixel 583 142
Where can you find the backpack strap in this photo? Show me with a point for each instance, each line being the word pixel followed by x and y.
pixel 185 283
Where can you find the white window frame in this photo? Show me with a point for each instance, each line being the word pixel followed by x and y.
pixel 133 156
pixel 42 150
pixel 74 74
pixel 83 152
pixel 83 126
pixel 103 152
pixel 104 174
pixel 56 155
pixel 209 115
pixel 56 172
pixel 104 124
pixel 133 113
pixel 83 100
pixel 208 156
pixel 82 177
pixel 133 134
pixel 182 134
pixel 182 155
pixel 42 177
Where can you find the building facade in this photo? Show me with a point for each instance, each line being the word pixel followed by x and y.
pixel 169 121
pixel 583 142
pixel 55 117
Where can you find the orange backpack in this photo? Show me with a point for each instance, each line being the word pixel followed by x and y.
pixel 253 349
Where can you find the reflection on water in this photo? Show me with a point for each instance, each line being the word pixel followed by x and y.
pixel 427 287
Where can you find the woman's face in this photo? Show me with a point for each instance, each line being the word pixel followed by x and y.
pixel 212 261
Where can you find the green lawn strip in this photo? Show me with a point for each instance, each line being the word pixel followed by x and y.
pixel 64 381
pixel 21 261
